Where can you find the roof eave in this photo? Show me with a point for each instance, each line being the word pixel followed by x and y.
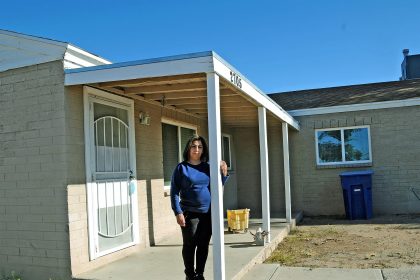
pixel 203 62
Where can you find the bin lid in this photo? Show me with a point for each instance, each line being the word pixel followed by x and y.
pixel 356 173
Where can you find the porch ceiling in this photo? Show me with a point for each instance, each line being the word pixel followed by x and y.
pixel 188 94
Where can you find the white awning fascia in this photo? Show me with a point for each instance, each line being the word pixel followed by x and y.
pixel 356 107
pixel 166 66
pixel 222 68
pixel 86 56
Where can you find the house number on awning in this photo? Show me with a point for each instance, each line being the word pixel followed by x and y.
pixel 235 79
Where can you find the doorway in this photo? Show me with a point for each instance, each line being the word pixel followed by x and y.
pixel 110 169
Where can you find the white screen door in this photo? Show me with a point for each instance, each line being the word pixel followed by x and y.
pixel 112 195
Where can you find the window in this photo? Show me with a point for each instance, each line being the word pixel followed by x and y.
pixel 226 152
pixel 343 146
pixel 174 139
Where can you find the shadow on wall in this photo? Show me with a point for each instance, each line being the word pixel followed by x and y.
pixel 150 212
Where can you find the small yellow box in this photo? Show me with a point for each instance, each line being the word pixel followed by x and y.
pixel 238 219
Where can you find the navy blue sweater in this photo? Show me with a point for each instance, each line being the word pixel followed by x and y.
pixel 190 188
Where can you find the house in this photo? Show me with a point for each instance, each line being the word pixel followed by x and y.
pixel 359 127
pixel 87 148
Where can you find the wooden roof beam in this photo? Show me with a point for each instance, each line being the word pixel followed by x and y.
pixel 235 114
pixel 187 94
pixel 155 81
pixel 232 100
pixel 167 88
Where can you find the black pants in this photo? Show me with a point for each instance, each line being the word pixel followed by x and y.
pixel 196 236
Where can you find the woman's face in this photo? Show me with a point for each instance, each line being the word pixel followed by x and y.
pixel 196 150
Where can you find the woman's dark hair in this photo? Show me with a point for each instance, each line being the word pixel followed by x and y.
pixel 204 156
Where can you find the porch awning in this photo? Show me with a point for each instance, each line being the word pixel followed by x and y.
pixel 179 82
pixel 205 86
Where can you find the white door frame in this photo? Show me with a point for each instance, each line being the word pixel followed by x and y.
pixel 89 96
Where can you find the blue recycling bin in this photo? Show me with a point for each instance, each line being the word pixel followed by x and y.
pixel 357 194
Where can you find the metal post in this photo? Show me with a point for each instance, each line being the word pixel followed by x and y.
pixel 286 164
pixel 215 150
pixel 265 192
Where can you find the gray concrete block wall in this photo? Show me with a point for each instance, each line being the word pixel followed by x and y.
pixel 74 138
pixel 149 153
pixel 230 191
pixel 395 153
pixel 79 236
pixel 249 174
pixel 248 169
pixel 276 171
pixel 76 190
pixel 161 219
pixel 317 190
pixel 156 220
pixel 78 227
pixel 33 231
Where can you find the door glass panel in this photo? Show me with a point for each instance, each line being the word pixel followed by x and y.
pixel 123 151
pixel 108 143
pixel 102 110
pixel 99 128
pixel 114 213
pixel 111 139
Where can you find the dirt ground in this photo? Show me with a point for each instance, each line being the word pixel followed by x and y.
pixel 381 242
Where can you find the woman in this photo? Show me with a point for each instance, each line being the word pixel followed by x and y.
pixel 190 200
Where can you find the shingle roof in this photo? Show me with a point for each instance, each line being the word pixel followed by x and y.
pixel 347 95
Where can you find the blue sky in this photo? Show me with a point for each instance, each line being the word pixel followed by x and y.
pixel 279 45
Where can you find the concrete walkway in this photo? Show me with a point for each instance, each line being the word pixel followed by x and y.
pixel 277 272
pixel 164 261
pixel 243 261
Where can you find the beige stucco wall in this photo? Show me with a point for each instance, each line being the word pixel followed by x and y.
pixel 33 173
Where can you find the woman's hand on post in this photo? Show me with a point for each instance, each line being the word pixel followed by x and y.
pixel 180 219
pixel 223 168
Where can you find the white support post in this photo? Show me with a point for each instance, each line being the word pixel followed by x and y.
pixel 265 192
pixel 286 164
pixel 215 150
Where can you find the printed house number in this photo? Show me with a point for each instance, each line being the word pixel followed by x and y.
pixel 235 79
